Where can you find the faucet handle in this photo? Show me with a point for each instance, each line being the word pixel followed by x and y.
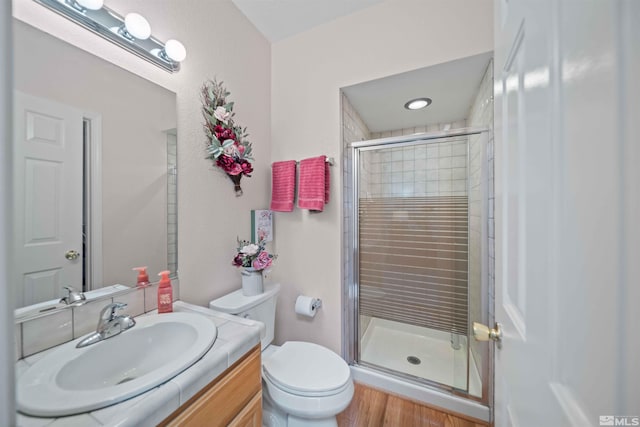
pixel 109 311
pixel 109 324
pixel 73 296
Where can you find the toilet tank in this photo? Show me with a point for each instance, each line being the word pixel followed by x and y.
pixel 261 307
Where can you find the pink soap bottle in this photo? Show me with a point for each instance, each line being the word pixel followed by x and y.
pixel 165 293
pixel 143 277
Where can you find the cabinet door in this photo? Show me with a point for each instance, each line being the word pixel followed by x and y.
pixel 223 400
pixel 251 415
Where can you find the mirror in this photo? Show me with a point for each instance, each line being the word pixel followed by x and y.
pixel 94 171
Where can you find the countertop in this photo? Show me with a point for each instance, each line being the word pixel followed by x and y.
pixel 236 336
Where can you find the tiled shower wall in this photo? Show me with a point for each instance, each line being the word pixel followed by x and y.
pixel 353 129
pixel 172 202
pixel 431 169
pixel 435 169
pixel 481 212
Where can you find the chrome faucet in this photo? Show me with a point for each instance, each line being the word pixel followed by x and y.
pixel 109 324
pixel 73 297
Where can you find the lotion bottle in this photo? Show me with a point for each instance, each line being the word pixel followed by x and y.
pixel 165 293
pixel 143 277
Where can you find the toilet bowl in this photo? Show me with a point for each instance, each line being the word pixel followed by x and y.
pixel 307 382
pixel 304 384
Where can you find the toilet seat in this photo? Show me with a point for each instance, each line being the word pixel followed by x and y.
pixel 307 370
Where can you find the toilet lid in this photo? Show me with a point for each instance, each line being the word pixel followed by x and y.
pixel 306 368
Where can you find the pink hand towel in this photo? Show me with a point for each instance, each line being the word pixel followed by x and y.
pixel 283 184
pixel 313 189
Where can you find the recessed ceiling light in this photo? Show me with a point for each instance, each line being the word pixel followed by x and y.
pixel 417 104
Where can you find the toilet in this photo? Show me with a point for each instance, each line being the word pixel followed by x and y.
pixel 304 384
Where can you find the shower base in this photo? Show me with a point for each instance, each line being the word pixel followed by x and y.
pixel 421 352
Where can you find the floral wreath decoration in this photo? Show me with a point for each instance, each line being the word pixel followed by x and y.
pixel 227 145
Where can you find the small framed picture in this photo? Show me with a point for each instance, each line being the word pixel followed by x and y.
pixel 261 225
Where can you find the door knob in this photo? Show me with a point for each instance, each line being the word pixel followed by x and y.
pixel 484 333
pixel 71 255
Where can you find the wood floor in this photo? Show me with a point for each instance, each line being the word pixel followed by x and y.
pixel 375 408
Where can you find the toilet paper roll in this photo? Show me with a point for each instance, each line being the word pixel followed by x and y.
pixel 306 306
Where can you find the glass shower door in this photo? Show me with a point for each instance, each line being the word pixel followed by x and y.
pixel 412 236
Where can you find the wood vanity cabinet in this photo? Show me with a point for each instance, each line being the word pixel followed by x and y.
pixel 232 399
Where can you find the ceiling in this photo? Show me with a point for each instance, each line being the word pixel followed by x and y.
pixel 451 85
pixel 279 19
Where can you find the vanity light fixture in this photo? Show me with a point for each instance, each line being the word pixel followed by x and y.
pixel 417 104
pixel 132 33
pixel 90 4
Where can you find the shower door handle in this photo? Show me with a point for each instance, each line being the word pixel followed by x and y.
pixel 484 333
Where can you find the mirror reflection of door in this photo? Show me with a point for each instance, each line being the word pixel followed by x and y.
pixel 48 183
pixel 129 167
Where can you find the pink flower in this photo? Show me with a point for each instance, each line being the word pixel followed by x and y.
pixel 246 167
pixel 263 261
pixel 229 165
pixel 223 133
pixel 240 148
pixel 236 169
pixel 225 162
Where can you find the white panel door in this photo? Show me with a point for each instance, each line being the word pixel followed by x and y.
pixel 48 175
pixel 567 188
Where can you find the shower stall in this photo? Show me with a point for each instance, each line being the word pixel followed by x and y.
pixel 417 260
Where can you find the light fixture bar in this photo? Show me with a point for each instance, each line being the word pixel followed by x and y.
pixel 107 24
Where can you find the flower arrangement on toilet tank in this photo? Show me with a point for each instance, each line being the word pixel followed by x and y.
pixel 253 256
pixel 227 143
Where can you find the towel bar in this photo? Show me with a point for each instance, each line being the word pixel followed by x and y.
pixel 327 160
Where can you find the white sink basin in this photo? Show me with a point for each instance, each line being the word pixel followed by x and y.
pixel 73 380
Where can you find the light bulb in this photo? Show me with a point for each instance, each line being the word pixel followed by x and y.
pixel 175 50
pixel 91 4
pixel 137 26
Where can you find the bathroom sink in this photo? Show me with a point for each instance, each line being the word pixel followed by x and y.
pixel 72 380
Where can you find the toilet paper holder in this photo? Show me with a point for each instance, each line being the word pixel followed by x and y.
pixel 307 306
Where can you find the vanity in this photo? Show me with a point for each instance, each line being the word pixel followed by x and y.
pixel 222 388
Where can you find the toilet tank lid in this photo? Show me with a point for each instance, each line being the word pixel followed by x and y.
pixel 236 302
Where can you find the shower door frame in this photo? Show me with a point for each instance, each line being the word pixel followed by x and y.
pixel 351 324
